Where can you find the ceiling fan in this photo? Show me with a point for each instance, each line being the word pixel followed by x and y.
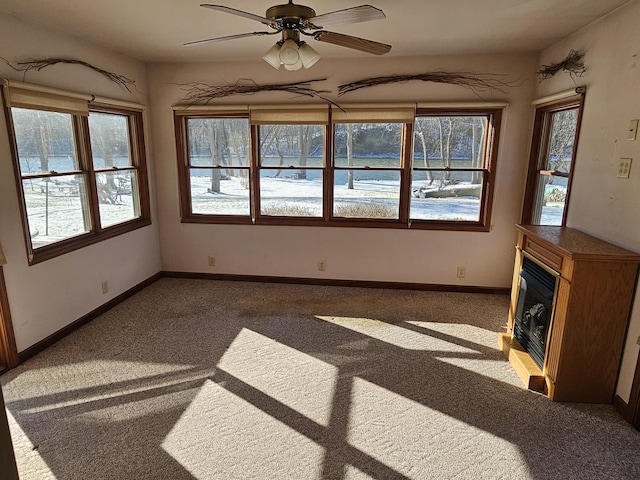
pixel 292 20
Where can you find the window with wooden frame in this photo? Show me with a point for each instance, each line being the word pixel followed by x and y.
pixel 291 164
pixel 80 169
pixel 351 166
pixel 453 168
pixel 551 164
pixel 370 164
pixel 216 167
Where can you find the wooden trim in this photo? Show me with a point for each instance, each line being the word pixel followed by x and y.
pixel 254 173
pixel 73 326
pixel 7 337
pixel 328 178
pixel 489 180
pixel 337 282
pixel 633 408
pixel 406 155
pixel 522 363
pixel 623 408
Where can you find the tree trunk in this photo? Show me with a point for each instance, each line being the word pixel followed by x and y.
pixel 215 154
pixel 350 155
pixel 304 143
pixel 43 135
pixel 475 151
pixel 425 155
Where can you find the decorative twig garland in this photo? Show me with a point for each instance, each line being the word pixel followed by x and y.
pixel 199 93
pixel 474 82
pixel 38 65
pixel 572 64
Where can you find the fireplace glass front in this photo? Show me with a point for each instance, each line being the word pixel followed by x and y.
pixel 534 308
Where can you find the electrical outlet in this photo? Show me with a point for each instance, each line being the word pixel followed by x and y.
pixel 461 272
pixel 105 287
pixel 322 265
pixel 212 261
pixel 624 168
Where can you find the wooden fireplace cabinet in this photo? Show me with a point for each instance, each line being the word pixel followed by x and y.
pixel 589 321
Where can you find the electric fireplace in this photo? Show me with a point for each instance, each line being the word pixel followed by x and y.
pixel 534 308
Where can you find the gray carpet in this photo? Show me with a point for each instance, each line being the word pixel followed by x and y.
pixel 196 379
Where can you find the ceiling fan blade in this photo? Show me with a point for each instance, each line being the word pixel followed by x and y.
pixel 356 43
pixel 240 13
pixel 363 13
pixel 228 37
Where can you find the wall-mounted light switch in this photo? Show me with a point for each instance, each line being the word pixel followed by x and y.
pixel 633 130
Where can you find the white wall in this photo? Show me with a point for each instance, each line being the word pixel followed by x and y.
pixel 350 253
pixel 601 204
pixel 46 297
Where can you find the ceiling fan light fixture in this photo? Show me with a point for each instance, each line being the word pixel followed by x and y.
pixel 289 52
pixel 308 56
pixel 272 57
pixel 295 66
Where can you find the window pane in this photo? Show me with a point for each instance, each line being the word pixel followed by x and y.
pixel 292 145
pixel 446 195
pixel 220 191
pixel 293 193
pixel 368 144
pixel 57 208
pixel 109 134
pixel 117 196
pixel 562 134
pixel 45 141
pixel 218 141
pixel 449 141
pixel 553 194
pixel 366 194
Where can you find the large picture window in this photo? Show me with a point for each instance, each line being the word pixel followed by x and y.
pixel 394 167
pixel 553 150
pixel 80 170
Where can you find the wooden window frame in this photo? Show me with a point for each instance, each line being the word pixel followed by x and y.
pixel 82 145
pixel 493 115
pixel 184 165
pixel 539 145
pixel 491 142
pixel 262 219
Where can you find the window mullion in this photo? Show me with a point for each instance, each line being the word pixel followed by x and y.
pixel 405 176
pixel 329 175
pixel 254 172
pixel 85 162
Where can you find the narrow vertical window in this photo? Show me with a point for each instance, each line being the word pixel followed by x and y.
pixel 553 152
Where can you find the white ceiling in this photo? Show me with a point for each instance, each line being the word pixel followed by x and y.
pixel 154 30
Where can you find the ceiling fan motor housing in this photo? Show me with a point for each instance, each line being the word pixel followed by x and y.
pixel 290 12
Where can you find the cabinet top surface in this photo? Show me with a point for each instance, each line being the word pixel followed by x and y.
pixel 577 244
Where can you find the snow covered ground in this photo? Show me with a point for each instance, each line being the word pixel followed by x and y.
pixel 59 214
pixel 234 197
